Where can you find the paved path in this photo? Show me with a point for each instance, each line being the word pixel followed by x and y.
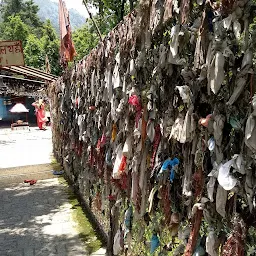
pixel 34 220
pixel 24 147
pixel 37 221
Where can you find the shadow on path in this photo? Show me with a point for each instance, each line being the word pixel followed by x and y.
pixel 36 220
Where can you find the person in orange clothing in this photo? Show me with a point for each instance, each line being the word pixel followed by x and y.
pixel 40 114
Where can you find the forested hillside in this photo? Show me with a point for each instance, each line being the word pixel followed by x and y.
pixel 49 10
pixel 35 23
pixel 20 21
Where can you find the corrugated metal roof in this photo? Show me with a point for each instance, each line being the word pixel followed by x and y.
pixel 31 72
pixel 22 79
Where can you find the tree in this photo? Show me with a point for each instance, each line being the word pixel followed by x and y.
pixel 21 22
pixel 51 46
pixel 132 3
pixel 26 10
pixel 34 52
pixel 29 14
pixel 10 7
pixel 14 29
pixel 85 39
pixel 48 30
pixel 116 9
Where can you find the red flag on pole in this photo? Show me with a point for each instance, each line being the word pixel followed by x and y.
pixel 67 49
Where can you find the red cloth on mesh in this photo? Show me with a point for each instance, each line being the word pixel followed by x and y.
pixel 138 199
pixel 234 246
pixel 198 182
pixel 79 148
pixel 166 203
pixel 134 101
pixel 92 157
pixel 98 145
pixel 124 181
pixel 100 162
pixel 194 233
pixel 121 183
pixel 123 164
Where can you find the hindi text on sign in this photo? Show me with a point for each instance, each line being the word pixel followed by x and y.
pixel 11 53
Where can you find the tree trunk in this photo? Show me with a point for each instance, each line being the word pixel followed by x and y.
pixel 101 8
pixel 131 5
pixel 122 9
pixel 101 13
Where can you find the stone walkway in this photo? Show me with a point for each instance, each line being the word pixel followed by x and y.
pixel 34 220
pixel 37 221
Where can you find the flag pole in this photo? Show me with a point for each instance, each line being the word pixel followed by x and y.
pixel 47 65
pixel 95 24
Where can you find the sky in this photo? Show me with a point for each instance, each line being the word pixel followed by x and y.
pixel 76 4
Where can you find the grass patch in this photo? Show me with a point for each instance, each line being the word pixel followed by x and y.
pixel 86 232
pixel 55 165
pixel 83 225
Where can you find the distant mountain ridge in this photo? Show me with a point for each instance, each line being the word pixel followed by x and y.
pixel 49 10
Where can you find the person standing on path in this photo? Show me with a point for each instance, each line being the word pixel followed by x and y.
pixel 40 114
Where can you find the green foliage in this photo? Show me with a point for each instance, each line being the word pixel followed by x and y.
pixel 33 51
pixel 14 29
pixel 112 11
pixel 36 49
pixel 10 7
pixel 29 14
pixel 86 37
pixel 26 10
pixel 51 45
pixel 115 9
pixel 85 40
pixel 142 235
pixel 86 231
pixel 21 22
pixel 251 241
pixel 48 30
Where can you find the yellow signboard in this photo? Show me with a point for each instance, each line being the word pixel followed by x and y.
pixel 11 54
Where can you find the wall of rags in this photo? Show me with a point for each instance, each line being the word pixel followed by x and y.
pixel 158 124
